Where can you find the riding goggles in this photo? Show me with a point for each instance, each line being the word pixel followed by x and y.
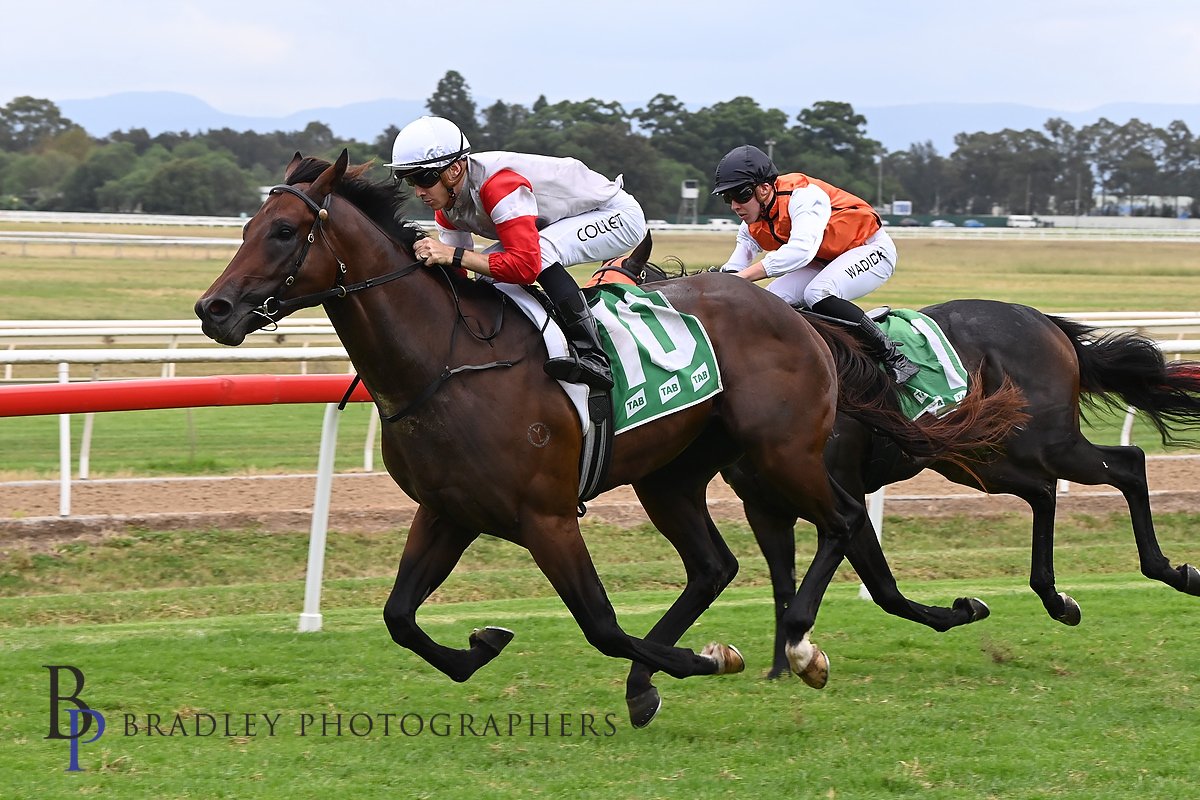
pixel 741 194
pixel 424 178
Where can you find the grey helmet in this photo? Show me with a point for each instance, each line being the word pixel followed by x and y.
pixel 741 166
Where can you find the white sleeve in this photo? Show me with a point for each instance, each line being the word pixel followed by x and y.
pixel 455 237
pixel 744 251
pixel 810 209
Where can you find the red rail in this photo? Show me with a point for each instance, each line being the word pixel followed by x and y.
pixel 138 395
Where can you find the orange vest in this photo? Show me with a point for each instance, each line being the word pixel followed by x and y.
pixel 853 220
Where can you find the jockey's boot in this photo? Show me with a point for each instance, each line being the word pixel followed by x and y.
pixel 587 363
pixel 884 349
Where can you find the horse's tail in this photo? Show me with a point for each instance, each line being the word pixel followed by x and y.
pixel 977 428
pixel 1128 368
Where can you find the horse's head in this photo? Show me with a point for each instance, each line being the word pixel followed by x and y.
pixel 290 250
pixel 634 269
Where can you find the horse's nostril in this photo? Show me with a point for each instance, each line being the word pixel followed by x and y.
pixel 216 308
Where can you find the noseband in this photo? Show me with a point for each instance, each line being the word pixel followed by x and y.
pixel 282 308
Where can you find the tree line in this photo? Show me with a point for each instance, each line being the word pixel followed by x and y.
pixel 48 162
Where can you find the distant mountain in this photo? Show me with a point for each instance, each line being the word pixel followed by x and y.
pixel 159 112
pixel 897 127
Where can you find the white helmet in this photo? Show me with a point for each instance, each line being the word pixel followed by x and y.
pixel 427 143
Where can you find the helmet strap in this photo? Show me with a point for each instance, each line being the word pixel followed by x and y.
pixel 767 206
pixel 450 184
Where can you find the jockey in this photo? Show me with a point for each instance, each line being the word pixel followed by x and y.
pixel 545 213
pixel 825 247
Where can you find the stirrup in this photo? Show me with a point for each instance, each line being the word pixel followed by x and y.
pixel 572 369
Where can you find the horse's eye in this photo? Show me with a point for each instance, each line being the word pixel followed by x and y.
pixel 285 232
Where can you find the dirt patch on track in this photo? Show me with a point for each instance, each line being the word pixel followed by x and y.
pixel 362 502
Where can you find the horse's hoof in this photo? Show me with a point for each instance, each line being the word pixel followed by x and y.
pixel 809 662
pixel 976 609
pixel 494 639
pixel 1071 614
pixel 816 674
pixel 644 708
pixel 727 657
pixel 1191 579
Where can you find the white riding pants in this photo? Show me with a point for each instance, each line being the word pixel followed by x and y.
pixel 854 274
pixel 609 231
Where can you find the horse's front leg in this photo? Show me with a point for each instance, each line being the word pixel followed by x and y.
pixel 679 512
pixel 434 546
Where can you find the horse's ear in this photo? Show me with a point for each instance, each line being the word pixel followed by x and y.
pixel 325 182
pixel 641 254
pixel 296 159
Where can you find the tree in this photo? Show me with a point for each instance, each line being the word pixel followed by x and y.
pixel 206 184
pixel 27 122
pixel 105 164
pixel 452 100
pixel 921 176
pixel 834 145
pixel 35 178
pixel 500 123
pixel 1073 185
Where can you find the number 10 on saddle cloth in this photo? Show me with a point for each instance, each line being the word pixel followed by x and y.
pixel 662 360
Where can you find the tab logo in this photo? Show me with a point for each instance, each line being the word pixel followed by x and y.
pixel 636 403
pixel 669 389
pixel 700 376
pixel 76 727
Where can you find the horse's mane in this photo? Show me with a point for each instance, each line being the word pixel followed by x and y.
pixel 378 200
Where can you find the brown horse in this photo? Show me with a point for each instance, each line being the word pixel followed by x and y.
pixel 485 442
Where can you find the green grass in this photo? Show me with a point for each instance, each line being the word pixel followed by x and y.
pixel 194 623
pixel 1015 707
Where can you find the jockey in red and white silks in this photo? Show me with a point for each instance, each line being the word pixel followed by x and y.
pixel 545 213
pixel 541 210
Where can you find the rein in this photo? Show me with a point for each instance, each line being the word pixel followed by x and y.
pixel 338 290
pixel 284 307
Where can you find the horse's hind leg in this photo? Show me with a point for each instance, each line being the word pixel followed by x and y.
pixel 433 547
pixel 558 548
pixel 1125 469
pixel 678 510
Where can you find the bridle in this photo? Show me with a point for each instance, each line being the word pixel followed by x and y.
pixel 273 308
pixel 339 289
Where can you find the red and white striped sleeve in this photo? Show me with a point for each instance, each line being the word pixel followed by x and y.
pixel 452 236
pixel 508 199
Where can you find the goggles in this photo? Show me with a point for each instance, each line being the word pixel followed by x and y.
pixel 424 177
pixel 741 194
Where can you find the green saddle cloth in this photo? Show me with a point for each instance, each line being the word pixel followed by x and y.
pixel 942 381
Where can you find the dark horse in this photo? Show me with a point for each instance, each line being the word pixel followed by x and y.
pixel 1058 364
pixel 485 442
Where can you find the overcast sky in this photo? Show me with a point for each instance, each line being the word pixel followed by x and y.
pixel 273 58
